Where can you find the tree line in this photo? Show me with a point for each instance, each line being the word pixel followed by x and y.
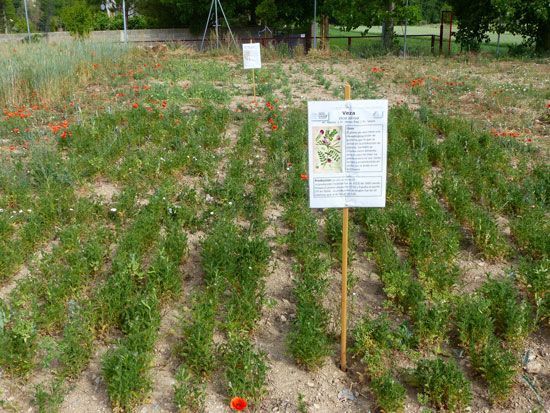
pixel 475 18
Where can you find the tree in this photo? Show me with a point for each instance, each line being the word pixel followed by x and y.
pixel 529 18
pixel 351 14
pixel 78 19
pixel 474 19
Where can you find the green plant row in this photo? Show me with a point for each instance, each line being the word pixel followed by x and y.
pixel 234 260
pixel 308 339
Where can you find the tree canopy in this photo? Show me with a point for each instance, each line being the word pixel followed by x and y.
pixel 476 18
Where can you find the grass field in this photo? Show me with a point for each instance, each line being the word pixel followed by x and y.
pixel 157 252
pixel 415 45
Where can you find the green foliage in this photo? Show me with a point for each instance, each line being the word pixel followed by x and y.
pixel 189 393
pixel 245 368
pixel 475 326
pixel 78 19
pixel 197 347
pixel 442 385
pixel 389 393
pixel 511 318
pixel 534 275
pixel 498 367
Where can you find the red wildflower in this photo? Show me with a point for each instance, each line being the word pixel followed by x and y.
pixel 238 403
pixel 64 135
pixel 270 120
pixel 274 127
pixel 304 177
pixel 164 103
pixel 16 130
pixel 377 70
pixel 135 106
pixel 417 82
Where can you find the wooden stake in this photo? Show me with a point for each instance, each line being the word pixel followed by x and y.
pixel 344 305
pixel 254 83
pixel 253 79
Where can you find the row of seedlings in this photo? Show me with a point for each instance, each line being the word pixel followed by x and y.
pixel 234 257
pixel 309 341
pixel 495 170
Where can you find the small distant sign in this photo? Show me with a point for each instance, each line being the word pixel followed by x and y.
pixel 348 144
pixel 252 57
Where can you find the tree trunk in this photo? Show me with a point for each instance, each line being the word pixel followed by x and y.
pixel 387 27
pixel 325 27
pixel 543 38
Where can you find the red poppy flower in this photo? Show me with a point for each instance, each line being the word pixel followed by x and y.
pixel 238 403
pixel 274 127
pixel 303 177
pixel 164 103
pixel 64 134
pixel 135 106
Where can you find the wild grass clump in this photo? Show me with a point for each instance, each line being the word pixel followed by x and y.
pixel 48 72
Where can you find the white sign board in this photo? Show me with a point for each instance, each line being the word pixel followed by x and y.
pixel 348 148
pixel 252 58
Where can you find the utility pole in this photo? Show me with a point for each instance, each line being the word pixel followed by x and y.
pixel 27 18
pixel 125 21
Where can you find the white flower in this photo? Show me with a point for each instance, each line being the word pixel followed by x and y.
pixel 113 209
pixel 211 212
pixel 230 203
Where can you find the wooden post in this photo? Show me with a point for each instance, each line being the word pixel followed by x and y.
pixel 344 305
pixel 253 79
pixel 254 84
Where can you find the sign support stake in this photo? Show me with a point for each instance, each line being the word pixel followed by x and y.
pixel 344 305
pixel 253 80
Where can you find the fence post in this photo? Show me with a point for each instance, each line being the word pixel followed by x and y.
pixel 433 44
pixel 349 43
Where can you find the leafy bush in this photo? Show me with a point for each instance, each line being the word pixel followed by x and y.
pixel 78 19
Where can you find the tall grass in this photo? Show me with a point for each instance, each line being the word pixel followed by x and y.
pixel 41 72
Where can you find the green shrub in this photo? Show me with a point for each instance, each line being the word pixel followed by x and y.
pixel 78 19
pixel 442 385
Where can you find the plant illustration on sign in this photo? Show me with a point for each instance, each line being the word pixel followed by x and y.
pixel 328 149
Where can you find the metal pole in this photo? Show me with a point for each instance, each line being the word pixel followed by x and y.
pixel 405 34
pixel 226 22
pixel 216 17
pixel 315 24
pixel 124 21
pixel 207 23
pixel 27 17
